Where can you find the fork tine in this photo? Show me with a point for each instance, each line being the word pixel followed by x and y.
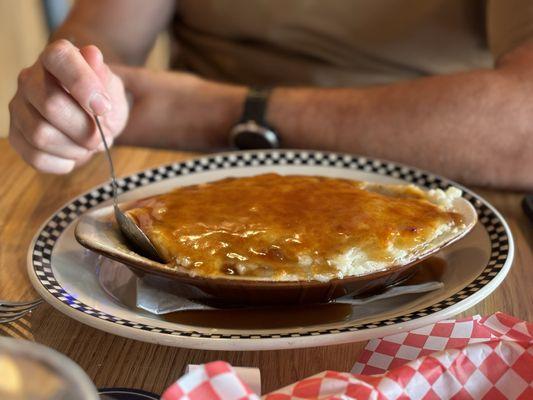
pixel 11 310
pixel 17 309
pixel 10 318
pixel 6 303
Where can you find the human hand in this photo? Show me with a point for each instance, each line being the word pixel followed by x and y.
pixel 51 123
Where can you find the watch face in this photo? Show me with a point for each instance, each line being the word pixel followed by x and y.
pixel 250 135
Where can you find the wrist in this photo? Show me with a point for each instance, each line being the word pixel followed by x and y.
pixel 225 110
pixel 286 110
pixel 305 118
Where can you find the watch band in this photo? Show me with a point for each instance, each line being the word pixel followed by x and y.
pixel 255 106
pixel 252 131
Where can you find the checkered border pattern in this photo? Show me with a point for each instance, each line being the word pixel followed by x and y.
pixel 53 228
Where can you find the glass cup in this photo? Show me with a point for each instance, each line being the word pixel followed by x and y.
pixel 32 371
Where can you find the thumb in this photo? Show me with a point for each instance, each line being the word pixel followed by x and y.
pixel 94 57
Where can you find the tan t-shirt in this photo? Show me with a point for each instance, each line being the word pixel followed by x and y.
pixel 344 42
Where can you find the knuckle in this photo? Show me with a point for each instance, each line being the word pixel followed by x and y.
pixel 22 77
pixel 56 52
pixel 54 106
pixel 11 106
pixel 42 136
pixel 61 44
pixel 14 114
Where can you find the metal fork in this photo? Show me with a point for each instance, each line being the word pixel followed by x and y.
pixel 12 310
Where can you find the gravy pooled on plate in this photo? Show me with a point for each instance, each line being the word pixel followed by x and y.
pixel 294 227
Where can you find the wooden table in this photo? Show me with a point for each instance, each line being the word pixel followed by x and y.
pixel 27 198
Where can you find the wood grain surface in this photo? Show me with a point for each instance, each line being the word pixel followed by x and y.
pixel 27 198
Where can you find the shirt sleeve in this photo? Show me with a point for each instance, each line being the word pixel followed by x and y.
pixel 509 23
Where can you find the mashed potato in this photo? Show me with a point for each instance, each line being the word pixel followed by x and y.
pixel 286 228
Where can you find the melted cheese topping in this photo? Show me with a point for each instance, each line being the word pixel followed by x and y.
pixel 290 227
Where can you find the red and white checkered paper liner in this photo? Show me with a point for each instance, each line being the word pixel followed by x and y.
pixel 472 358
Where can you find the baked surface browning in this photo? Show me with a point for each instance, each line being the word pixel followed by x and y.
pixel 287 227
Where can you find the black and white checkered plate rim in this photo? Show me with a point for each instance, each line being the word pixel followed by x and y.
pixel 46 238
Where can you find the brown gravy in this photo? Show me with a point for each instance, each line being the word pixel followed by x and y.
pixel 268 222
pixel 427 270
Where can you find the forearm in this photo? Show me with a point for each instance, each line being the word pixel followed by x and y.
pixel 96 21
pixel 475 127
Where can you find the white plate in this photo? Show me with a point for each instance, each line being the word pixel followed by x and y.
pixel 65 274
